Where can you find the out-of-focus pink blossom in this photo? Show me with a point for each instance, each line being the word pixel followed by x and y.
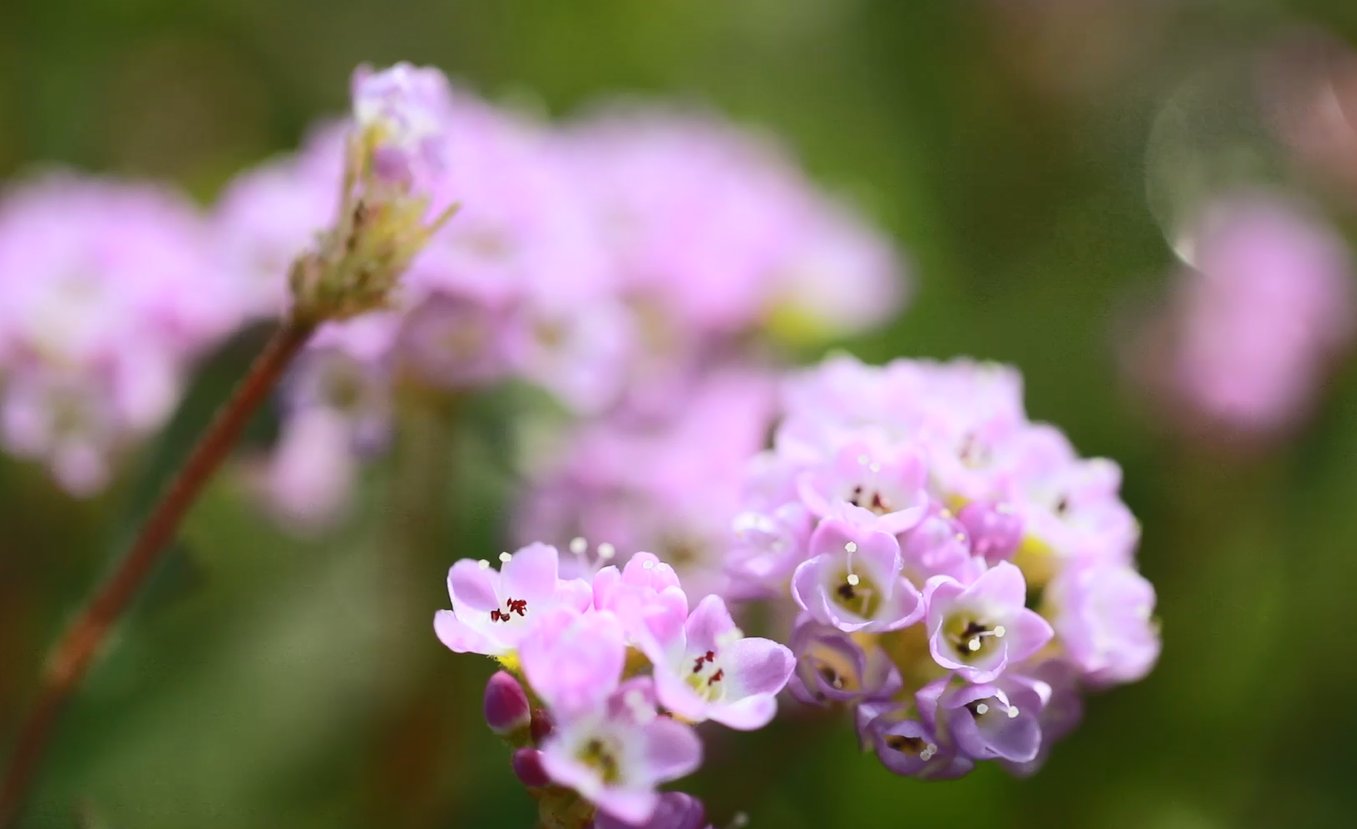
pixel 109 298
pixel 1248 332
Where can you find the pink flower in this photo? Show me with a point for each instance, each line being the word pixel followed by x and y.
pixel 979 629
pixel 1104 616
pixel 108 297
pixel 853 582
pixel 1248 332
pixel 645 595
pixel 573 659
pixel 711 671
pixel 617 754
pixel 493 611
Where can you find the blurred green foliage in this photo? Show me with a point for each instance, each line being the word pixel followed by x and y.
pixel 266 681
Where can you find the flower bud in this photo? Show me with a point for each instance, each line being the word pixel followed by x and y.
pixel 542 725
pixel 527 764
pixel 393 197
pixel 506 706
pixel 995 530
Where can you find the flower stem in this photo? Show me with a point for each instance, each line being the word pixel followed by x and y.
pixel 70 658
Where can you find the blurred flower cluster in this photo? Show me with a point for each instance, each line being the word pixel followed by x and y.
pixel 615 261
pixel 1245 339
pixel 959 573
pixel 622 668
pixel 110 296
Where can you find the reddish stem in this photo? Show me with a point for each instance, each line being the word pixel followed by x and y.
pixel 70 658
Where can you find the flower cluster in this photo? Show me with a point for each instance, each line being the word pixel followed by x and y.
pixel 1249 330
pixel 622 667
pixel 114 289
pixel 960 572
pixel 109 299
pixel 614 262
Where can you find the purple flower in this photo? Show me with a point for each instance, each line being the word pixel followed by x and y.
pixel 985 723
pixel 711 670
pixel 979 629
pixel 675 810
pixel 615 755
pixel 852 580
pixel 909 744
pixel 833 668
pixel 492 611
pixel 1104 617
pixel 1053 686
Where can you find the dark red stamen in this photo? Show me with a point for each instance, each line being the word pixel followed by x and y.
pixel 709 656
pixel 519 606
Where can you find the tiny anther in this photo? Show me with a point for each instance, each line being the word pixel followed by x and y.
pixel 505 558
pixel 999 631
pixel 606 551
pixel 578 545
pixel 851 547
pixel 974 644
pixel 1012 712
pixel 484 564
pixel 716 677
pixel 981 710
pixel 853 579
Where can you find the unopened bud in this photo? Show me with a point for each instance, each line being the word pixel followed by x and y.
pixel 995 530
pixel 506 706
pixel 527 764
pixel 541 725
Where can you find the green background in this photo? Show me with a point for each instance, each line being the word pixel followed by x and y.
pixel 265 681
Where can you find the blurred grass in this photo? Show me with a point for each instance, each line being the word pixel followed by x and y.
pixel 274 682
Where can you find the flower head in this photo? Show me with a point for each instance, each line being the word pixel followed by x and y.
pixel 394 179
